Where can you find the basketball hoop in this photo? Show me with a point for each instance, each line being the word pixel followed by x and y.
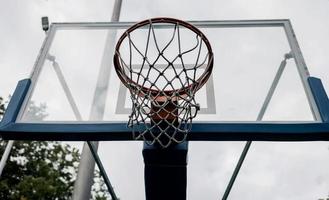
pixel 163 87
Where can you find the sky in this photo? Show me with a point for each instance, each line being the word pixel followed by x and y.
pixel 271 170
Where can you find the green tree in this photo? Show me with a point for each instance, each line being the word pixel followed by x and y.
pixel 39 170
pixel 42 170
pixel 2 107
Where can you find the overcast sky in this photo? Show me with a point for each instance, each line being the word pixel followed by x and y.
pixel 271 171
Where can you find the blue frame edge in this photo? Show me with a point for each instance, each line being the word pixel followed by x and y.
pixel 15 102
pixel 313 131
pixel 199 132
pixel 320 97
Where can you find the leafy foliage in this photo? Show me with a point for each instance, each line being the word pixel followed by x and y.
pixel 42 170
pixel 99 190
pixel 2 107
pixel 36 112
pixel 39 170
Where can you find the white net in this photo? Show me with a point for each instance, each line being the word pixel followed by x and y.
pixel 162 87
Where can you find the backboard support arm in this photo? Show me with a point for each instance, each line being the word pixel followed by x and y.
pixel 78 116
pixel 102 170
pixel 259 118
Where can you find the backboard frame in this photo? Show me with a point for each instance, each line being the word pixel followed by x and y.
pixel 217 131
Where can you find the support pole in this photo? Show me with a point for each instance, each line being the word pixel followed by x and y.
pixel 259 118
pixel 102 171
pixel 82 187
pixel 165 172
pixel 5 155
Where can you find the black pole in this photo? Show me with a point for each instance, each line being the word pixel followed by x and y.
pixel 102 171
pixel 236 170
pixel 165 171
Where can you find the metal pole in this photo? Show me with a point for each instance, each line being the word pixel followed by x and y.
pixel 5 155
pixel 301 67
pixel 236 170
pixel 65 87
pixel 273 86
pixel 259 118
pixel 82 187
pixel 102 171
pixel 79 118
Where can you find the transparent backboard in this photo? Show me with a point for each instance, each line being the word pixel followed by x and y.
pixel 258 75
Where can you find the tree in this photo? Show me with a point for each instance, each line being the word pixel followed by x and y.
pixel 41 169
pixel 2 107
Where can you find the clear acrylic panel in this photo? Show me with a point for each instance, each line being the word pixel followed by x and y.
pixel 78 81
